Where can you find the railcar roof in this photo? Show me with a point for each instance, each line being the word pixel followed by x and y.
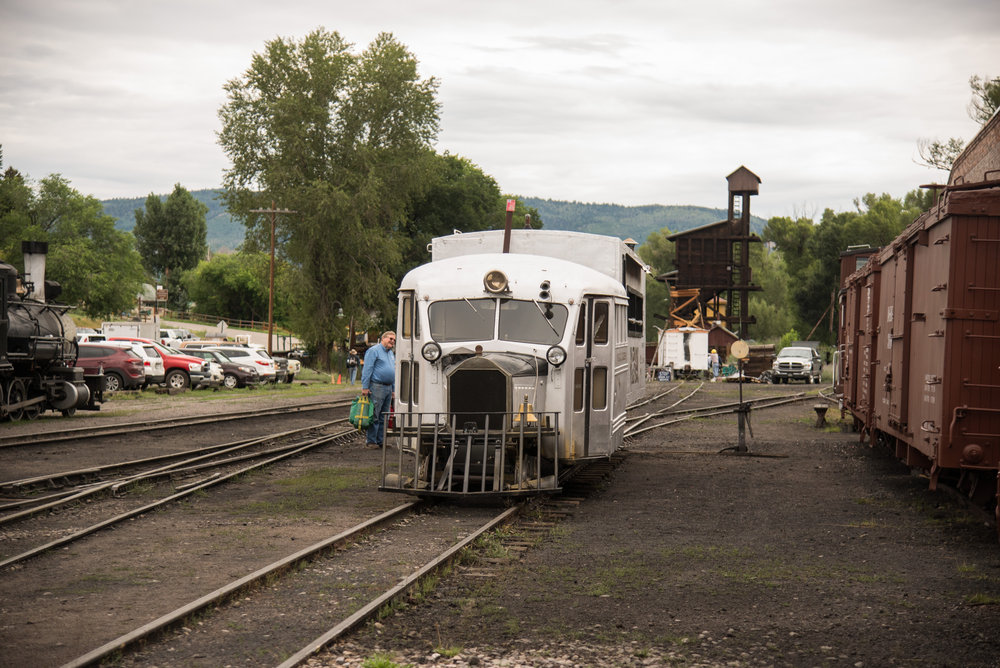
pixel 462 276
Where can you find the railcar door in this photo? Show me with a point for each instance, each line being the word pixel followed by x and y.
pixel 592 378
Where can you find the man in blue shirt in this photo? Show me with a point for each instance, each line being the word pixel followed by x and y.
pixel 378 380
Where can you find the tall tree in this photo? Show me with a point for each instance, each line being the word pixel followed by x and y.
pixel 344 140
pixel 459 196
pixel 985 102
pixel 171 236
pixel 97 265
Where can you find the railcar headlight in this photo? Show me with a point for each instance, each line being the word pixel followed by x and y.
pixel 431 352
pixel 555 355
pixel 495 281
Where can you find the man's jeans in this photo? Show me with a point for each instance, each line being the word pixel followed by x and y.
pixel 381 396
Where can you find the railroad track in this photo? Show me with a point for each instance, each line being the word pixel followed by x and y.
pixel 235 465
pixel 79 433
pixel 261 594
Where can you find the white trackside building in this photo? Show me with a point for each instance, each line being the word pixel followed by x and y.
pixel 510 365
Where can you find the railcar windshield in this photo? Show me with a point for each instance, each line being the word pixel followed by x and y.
pixel 462 319
pixel 520 320
pixel 531 322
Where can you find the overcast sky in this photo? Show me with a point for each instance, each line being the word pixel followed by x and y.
pixel 626 101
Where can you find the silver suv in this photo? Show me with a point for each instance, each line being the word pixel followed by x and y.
pixel 797 363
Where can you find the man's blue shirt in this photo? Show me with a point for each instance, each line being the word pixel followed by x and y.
pixel 380 367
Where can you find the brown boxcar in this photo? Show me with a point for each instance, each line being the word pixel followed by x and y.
pixel 920 340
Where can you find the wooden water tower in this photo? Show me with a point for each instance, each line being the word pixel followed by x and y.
pixel 713 264
pixel 742 185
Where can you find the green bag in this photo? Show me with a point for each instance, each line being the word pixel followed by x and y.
pixel 362 411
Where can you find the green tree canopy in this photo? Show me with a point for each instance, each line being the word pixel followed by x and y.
pixel 171 237
pixel 658 252
pixel 232 285
pixel 97 265
pixel 811 252
pixel 344 140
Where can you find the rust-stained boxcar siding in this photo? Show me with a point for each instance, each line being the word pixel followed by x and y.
pixel 970 430
pixel 867 341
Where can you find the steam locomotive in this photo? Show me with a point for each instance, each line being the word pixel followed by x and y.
pixel 38 345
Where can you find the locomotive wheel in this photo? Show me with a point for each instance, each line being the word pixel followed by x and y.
pixel 15 394
pixel 113 382
pixel 231 381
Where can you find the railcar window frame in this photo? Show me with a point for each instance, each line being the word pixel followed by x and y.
pixel 480 311
pixel 535 314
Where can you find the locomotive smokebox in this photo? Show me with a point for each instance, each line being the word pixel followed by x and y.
pixel 34 268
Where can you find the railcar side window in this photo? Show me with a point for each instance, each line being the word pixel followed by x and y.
pixel 578 389
pixel 404 382
pixel 532 322
pixel 462 319
pixel 600 399
pixel 406 310
pixel 600 323
pixel 581 325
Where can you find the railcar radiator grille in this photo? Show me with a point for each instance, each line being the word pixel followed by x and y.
pixel 476 393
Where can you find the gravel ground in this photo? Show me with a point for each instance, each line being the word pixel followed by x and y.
pixel 814 551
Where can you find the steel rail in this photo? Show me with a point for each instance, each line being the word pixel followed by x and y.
pixel 153 425
pixel 173 497
pixel 654 397
pixel 224 593
pixel 209 451
pixel 404 586
pixel 692 414
pixel 180 467
pixel 650 416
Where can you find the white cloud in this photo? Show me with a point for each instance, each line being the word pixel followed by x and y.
pixel 632 102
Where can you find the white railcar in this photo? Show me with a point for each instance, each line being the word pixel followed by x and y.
pixel 510 365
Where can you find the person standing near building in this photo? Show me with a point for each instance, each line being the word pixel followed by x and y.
pixel 352 364
pixel 713 360
pixel 378 380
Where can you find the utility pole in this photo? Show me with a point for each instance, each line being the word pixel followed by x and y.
pixel 270 288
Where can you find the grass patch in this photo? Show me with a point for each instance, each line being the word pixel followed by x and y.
pixel 382 660
pixel 982 599
pixel 313 490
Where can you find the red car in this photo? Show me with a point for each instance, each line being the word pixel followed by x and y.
pixel 182 371
pixel 122 366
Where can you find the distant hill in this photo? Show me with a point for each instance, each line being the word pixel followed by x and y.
pixel 224 234
pixel 637 222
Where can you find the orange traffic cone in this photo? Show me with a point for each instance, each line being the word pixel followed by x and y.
pixel 339 377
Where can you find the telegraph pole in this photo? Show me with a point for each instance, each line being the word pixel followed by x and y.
pixel 270 288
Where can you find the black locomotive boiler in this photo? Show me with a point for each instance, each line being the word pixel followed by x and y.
pixel 38 345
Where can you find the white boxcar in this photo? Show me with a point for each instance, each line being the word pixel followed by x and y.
pixel 510 364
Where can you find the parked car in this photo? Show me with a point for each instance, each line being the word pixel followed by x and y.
pixel 182 371
pixel 294 366
pixel 235 374
pixel 122 367
pixel 87 335
pixel 173 337
pixel 259 359
pixel 152 363
pixel 797 363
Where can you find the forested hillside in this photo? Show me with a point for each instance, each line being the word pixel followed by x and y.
pixel 224 234
pixel 627 221
pixel 637 222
